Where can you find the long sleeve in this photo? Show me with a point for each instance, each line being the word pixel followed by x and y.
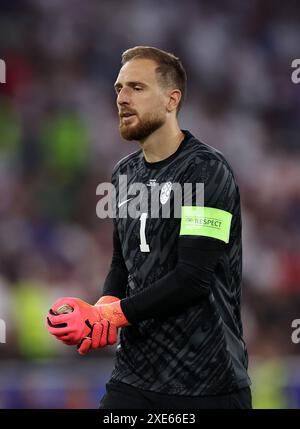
pixel 184 286
pixel 116 280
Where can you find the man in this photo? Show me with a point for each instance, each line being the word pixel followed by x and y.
pixel 174 285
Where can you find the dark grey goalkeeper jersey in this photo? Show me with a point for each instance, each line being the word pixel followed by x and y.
pixel 198 350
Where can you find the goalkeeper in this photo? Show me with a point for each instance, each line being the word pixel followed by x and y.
pixel 174 285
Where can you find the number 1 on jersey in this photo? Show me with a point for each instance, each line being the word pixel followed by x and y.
pixel 144 247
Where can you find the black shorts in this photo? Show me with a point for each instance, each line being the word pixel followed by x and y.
pixel 123 396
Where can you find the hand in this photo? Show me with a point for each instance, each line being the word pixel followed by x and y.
pixel 103 333
pixel 73 327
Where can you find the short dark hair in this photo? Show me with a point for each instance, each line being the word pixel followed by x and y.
pixel 169 69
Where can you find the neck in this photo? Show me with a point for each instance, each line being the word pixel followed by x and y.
pixel 162 143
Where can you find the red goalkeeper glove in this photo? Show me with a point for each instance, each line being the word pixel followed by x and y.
pixel 103 333
pixel 72 328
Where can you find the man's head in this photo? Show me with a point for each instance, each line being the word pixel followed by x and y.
pixel 150 88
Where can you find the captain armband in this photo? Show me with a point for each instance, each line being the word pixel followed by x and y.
pixel 205 221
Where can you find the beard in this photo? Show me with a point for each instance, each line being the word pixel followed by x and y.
pixel 144 128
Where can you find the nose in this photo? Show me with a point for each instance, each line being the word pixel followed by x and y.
pixel 123 97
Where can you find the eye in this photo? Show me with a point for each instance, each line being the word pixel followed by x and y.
pixel 138 88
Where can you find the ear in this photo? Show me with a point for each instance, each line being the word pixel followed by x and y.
pixel 174 99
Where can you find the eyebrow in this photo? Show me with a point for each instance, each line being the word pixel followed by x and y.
pixel 132 83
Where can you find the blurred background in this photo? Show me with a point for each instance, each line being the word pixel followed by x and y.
pixel 59 139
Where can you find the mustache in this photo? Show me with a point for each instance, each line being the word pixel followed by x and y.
pixel 126 112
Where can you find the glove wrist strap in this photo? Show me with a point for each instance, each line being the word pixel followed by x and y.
pixel 113 312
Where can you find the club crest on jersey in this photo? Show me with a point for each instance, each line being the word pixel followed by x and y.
pixel 165 192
